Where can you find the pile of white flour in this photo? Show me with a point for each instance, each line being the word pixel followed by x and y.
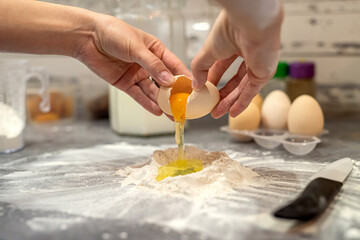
pixel 220 176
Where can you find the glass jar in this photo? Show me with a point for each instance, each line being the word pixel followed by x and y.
pixel 161 18
pixel 14 75
pixel 301 80
pixel 62 106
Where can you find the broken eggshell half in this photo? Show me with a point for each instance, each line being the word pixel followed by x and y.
pixel 199 103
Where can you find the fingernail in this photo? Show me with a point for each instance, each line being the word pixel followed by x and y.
pixel 213 115
pixel 166 77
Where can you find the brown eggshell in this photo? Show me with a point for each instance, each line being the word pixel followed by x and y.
pixel 258 100
pixel 249 119
pixel 305 116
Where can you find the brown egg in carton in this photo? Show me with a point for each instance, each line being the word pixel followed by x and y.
pixel 303 118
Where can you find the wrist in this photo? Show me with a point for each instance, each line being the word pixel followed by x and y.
pixel 82 32
pixel 254 15
pixel 88 35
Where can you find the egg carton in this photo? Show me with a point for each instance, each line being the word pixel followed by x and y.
pixel 293 143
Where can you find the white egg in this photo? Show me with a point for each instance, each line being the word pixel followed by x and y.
pixel 274 111
pixel 305 116
pixel 199 103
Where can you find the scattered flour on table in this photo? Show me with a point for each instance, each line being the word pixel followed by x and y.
pixel 44 224
pixel 219 177
pixel 356 168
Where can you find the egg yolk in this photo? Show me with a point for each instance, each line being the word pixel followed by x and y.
pixel 179 167
pixel 178 103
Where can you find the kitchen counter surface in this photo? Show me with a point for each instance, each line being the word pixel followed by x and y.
pixel 62 185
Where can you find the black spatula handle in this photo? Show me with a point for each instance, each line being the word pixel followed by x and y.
pixel 315 198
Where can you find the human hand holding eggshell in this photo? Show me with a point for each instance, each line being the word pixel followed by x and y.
pixel 254 37
pixel 199 103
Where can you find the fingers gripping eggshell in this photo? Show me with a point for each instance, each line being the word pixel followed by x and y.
pixel 305 116
pixel 199 103
pixel 274 111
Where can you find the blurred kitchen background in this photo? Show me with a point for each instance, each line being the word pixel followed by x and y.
pixel 325 32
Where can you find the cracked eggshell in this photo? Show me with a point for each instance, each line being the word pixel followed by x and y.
pixel 199 103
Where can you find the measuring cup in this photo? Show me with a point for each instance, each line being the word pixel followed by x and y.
pixel 13 77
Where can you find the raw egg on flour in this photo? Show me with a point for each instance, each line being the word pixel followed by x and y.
pixel 181 102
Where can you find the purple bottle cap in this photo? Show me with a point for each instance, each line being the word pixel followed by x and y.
pixel 302 69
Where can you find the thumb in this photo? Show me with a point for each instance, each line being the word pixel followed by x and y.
pixel 200 67
pixel 155 67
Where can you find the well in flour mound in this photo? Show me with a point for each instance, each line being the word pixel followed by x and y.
pixel 220 176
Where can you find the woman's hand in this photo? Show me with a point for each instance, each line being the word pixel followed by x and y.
pixel 127 57
pixel 251 30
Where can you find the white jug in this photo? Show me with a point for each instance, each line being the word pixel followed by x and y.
pixel 164 20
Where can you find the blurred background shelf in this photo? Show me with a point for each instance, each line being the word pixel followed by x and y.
pixel 324 32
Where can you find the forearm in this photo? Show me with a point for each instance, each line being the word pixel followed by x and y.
pixel 43 28
pixel 254 16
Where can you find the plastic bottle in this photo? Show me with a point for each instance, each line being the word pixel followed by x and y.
pixel 301 80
